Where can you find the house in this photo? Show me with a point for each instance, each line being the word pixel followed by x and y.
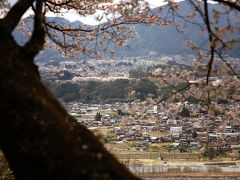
pixel 213 136
pixel 198 129
pixel 175 130
pixel 142 145
pixel 194 144
pixel 154 139
pixel 175 135
pixel 172 122
pixel 210 129
pixel 175 145
pixel 232 138
pixel 229 129
pixel 235 148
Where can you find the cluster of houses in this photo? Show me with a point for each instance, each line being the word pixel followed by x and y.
pixel 184 133
pixel 91 70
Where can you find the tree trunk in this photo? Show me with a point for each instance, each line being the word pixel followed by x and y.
pixel 38 137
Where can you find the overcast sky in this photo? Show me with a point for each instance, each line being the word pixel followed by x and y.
pixel 89 19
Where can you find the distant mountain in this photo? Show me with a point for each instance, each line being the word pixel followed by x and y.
pixel 29 22
pixel 153 41
pixel 167 40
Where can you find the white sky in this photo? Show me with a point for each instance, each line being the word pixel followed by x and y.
pixel 90 20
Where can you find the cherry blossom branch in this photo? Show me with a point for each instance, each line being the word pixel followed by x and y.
pixel 13 17
pixel 58 4
pixel 229 3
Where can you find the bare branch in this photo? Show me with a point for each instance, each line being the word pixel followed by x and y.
pixel 62 29
pixel 228 64
pixel 210 37
pixel 174 93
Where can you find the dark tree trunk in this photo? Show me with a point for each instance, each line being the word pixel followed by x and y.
pixel 38 137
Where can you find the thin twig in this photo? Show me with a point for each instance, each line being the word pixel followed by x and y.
pixel 228 64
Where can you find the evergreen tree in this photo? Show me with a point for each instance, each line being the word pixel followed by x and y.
pixel 98 116
pixel 185 112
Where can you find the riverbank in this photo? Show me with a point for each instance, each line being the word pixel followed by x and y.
pixel 191 176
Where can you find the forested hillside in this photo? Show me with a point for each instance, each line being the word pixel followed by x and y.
pixel 104 92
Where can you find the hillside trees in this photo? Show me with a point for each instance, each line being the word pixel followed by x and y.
pixel 138 73
pixel 68 91
pixel 185 112
pixel 121 90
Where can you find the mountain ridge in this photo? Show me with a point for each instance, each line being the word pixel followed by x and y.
pixel 153 41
